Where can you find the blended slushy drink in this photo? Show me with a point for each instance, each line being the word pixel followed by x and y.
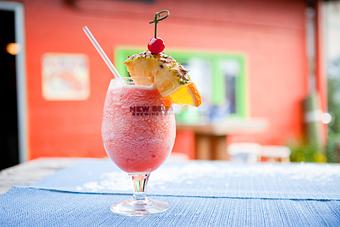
pixel 138 127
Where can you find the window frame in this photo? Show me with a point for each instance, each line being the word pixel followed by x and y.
pixel 214 58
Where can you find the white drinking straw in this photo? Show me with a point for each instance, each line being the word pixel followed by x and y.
pixel 101 52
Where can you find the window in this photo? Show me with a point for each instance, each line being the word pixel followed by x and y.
pixel 220 78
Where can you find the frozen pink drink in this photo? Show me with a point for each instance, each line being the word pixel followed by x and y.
pixel 138 127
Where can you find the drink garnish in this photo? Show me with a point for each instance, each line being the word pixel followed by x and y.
pixel 153 67
pixel 156 45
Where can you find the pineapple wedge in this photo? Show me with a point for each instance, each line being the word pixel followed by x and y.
pixel 159 69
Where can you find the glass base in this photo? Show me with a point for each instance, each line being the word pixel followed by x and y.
pixel 139 207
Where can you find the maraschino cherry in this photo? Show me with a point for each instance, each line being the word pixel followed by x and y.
pixel 156 45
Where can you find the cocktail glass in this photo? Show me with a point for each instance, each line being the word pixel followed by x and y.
pixel 138 131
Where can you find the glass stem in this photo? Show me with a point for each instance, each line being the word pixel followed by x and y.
pixel 140 182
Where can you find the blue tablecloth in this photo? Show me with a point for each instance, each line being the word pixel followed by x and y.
pixel 200 194
pixel 207 179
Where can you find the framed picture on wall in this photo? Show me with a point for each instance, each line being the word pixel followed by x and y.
pixel 65 76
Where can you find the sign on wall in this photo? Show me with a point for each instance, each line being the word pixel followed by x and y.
pixel 65 76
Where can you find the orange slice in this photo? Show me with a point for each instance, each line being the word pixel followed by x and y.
pixel 186 94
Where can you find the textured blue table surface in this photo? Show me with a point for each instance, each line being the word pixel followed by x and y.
pixel 200 194
pixel 209 179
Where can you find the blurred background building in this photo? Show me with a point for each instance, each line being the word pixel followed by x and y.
pixel 259 64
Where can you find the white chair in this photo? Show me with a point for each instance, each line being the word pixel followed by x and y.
pixel 243 152
pixel 274 154
pixel 253 152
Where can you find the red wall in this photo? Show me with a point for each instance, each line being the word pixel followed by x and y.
pixel 270 33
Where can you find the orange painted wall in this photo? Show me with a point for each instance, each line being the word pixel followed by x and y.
pixel 270 33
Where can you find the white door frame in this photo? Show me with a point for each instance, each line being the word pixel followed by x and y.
pixel 18 10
